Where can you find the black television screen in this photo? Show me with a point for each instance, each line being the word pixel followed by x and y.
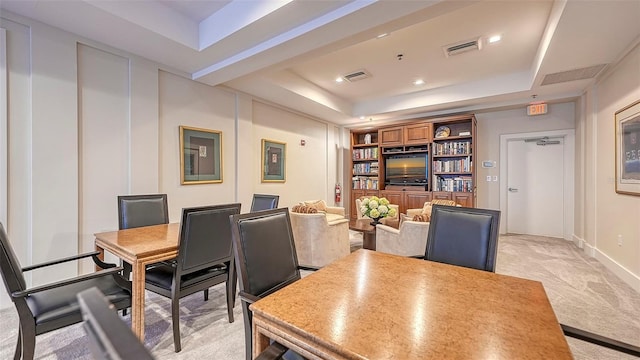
pixel 406 169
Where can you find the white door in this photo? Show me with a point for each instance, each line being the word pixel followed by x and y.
pixel 535 180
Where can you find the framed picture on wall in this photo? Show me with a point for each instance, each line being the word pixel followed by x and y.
pixel 273 161
pixel 200 156
pixel 627 121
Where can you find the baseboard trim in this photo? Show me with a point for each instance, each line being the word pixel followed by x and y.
pixel 620 271
pixel 623 273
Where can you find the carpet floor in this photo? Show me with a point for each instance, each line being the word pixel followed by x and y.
pixel 582 292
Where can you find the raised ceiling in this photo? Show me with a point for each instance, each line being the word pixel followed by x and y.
pixel 291 52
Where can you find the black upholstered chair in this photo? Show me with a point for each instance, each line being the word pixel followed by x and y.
pixel 264 202
pixel 141 210
pixel 110 338
pixel 53 306
pixel 463 236
pixel 205 259
pixel 266 260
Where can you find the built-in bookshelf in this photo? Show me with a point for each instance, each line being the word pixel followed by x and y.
pixel 365 155
pixel 453 151
pixel 449 161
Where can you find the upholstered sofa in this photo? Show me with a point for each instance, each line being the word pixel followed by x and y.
pixel 321 237
pixel 410 239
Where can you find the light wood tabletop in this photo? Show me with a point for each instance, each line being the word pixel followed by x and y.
pixel 372 305
pixel 140 247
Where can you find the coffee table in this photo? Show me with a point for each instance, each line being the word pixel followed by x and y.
pixel 368 232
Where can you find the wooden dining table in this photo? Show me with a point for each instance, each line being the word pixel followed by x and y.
pixel 371 305
pixel 140 247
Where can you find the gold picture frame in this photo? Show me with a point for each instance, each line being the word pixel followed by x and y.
pixel 200 156
pixel 627 133
pixel 273 161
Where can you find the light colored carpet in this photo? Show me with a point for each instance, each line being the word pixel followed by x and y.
pixel 582 292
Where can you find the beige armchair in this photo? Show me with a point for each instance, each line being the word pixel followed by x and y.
pixel 410 239
pixel 383 220
pixel 321 237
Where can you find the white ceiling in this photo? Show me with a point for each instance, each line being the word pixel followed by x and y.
pixel 291 52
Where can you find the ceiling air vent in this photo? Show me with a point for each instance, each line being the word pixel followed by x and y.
pixel 462 47
pixel 357 75
pixel 572 75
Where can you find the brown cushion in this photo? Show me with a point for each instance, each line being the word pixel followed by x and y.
pixel 319 205
pixel 443 202
pixel 303 209
pixel 421 218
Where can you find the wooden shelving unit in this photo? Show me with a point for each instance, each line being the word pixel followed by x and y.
pixel 450 168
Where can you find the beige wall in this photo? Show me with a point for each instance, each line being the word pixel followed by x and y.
pixel 609 214
pixel 493 124
pixel 88 122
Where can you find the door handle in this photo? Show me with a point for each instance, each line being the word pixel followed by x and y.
pixel 513 189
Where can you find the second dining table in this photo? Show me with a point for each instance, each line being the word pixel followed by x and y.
pixel 371 305
pixel 140 247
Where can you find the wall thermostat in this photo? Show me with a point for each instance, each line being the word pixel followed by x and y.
pixel 488 163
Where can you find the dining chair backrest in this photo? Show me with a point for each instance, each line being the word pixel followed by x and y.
pixel 264 202
pixel 10 267
pixel 205 237
pixel 265 251
pixel 463 236
pixel 142 210
pixel 110 338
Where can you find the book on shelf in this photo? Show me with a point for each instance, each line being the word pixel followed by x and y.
pixel 364 183
pixel 366 168
pixel 365 154
pixel 461 148
pixel 452 184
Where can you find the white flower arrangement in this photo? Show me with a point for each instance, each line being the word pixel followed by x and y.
pixel 376 208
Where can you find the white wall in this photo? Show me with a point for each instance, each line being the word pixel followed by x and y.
pixel 88 122
pixel 607 213
pixel 493 124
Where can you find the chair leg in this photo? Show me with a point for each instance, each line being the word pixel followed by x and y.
pixel 28 341
pixel 230 298
pixel 18 353
pixel 206 295
pixel 175 320
pixel 248 331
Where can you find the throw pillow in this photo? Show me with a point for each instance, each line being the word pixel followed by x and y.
pixel 303 209
pixel 426 211
pixel 319 205
pixel 420 218
pixel 443 202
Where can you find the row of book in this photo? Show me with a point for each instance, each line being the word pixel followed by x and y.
pixel 452 148
pixel 457 165
pixel 365 168
pixel 365 154
pixel 461 184
pixel 364 183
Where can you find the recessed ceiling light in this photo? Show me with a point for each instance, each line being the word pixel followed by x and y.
pixel 362 117
pixel 339 79
pixel 494 38
pixel 418 82
pixel 382 35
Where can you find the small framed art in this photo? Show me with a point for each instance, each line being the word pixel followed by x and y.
pixel 200 156
pixel 627 122
pixel 273 161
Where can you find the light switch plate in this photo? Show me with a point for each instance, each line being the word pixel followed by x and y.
pixel 488 177
pixel 495 178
